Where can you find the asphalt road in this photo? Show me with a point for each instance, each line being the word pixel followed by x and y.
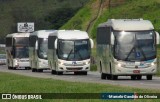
pixel 92 77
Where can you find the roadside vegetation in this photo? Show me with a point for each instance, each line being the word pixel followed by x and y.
pixel 12 83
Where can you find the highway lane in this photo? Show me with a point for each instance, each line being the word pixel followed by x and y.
pixel 92 77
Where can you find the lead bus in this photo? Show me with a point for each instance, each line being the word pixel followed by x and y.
pixel 69 51
pixel 38 48
pixel 17 50
pixel 127 47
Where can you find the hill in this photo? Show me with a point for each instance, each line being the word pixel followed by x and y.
pixel 146 9
pixel 46 14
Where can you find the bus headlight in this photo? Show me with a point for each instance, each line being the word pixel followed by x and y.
pixel 119 65
pixel 85 63
pixel 153 63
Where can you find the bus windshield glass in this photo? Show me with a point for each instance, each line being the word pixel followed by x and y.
pixel 42 48
pixel 21 52
pixel 21 40
pixel 74 49
pixel 135 46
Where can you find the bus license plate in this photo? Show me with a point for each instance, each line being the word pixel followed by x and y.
pixel 136 71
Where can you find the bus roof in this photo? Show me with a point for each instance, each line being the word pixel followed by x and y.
pixel 42 33
pixel 18 35
pixel 128 24
pixel 72 34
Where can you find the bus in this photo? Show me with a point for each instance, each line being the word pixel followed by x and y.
pixel 38 47
pixel 69 51
pixel 17 54
pixel 127 47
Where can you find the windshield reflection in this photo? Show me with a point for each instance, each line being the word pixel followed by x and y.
pixel 74 49
pixel 134 45
pixel 42 48
pixel 22 52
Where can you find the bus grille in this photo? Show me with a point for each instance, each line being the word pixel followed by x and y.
pixel 79 68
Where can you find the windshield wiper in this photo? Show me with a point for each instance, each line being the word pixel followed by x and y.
pixel 79 55
pixel 69 54
pixel 129 53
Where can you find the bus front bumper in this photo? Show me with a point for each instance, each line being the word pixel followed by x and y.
pixel 135 71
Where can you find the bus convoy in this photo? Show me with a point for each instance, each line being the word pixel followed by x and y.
pixel 124 47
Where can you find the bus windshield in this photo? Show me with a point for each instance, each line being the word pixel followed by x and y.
pixel 21 40
pixel 21 52
pixel 135 46
pixel 42 48
pixel 74 49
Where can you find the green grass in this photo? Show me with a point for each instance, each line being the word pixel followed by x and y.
pixel 11 83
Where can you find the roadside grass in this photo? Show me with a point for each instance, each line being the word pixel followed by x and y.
pixel 12 83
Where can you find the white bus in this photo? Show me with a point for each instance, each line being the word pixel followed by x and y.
pixel 69 51
pixel 38 47
pixel 127 47
pixel 17 50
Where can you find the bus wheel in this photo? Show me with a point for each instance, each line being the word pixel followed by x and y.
pixel 114 77
pixel 75 73
pixel 53 72
pixel 109 77
pixel 39 70
pixel 84 73
pixel 103 76
pixel 59 73
pixel 9 67
pixel 139 77
pixel 27 68
pixel 133 77
pixel 34 70
pixel 14 68
pixel 149 77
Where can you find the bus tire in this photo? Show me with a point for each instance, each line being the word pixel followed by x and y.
pixel 53 72
pixel 139 77
pixel 114 77
pixel 149 77
pixel 9 67
pixel 84 73
pixel 133 77
pixel 109 77
pixel 27 68
pixel 103 76
pixel 34 70
pixel 59 73
pixel 39 70
pixel 14 68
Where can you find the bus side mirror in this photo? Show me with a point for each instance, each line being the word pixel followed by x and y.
pixel 36 45
pixel 157 38
pixel 92 43
pixel 55 44
pixel 112 39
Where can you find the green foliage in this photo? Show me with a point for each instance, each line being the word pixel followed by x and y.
pixel 59 17
pixel 133 9
pixel 46 14
pixel 79 20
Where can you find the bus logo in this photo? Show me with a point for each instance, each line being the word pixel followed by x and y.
pixel 74 62
pixel 6 96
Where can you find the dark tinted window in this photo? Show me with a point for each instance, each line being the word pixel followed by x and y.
pixel 51 41
pixel 8 42
pixel 32 41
